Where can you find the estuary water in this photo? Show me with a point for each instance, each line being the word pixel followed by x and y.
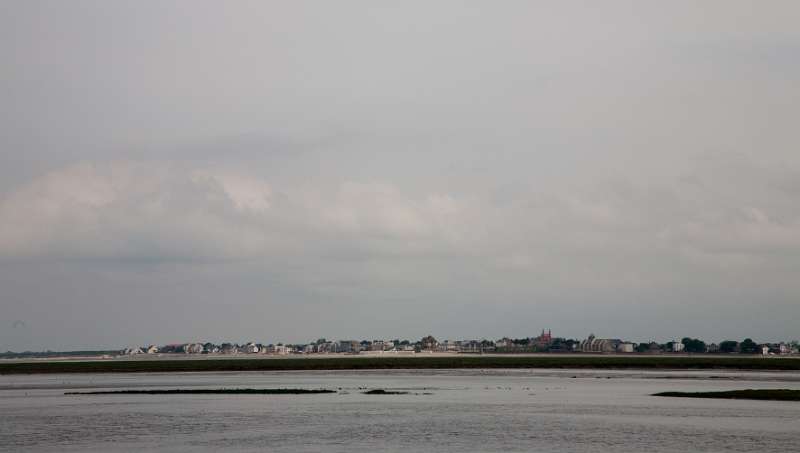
pixel 444 411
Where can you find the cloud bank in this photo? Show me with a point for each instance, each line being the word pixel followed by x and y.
pixel 158 211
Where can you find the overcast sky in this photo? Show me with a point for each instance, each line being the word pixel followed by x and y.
pixel 283 171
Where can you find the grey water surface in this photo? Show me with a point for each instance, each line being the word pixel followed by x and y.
pixel 444 411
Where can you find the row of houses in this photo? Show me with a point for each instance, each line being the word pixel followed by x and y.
pixel 321 346
pixel 779 349
pixel 542 343
pixel 209 348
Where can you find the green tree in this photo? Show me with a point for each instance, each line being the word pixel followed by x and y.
pixel 428 342
pixel 643 347
pixel 728 346
pixel 748 346
pixel 693 345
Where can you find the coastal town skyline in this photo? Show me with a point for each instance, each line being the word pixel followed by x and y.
pixel 545 342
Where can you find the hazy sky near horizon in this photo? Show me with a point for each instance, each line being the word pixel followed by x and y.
pixel 283 171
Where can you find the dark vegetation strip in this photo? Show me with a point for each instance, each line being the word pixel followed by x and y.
pixel 207 392
pixel 379 363
pixel 750 394
pixel 384 392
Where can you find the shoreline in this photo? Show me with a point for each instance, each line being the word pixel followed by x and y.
pixel 388 355
pixel 213 364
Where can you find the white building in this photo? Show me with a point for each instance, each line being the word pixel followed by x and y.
pixel 193 348
pixel 625 347
pixel 251 348
pixel 276 349
pixel 678 346
pixel 593 344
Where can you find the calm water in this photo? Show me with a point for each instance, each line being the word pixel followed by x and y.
pixel 447 411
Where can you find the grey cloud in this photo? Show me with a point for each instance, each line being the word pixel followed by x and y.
pixel 129 210
pixel 135 210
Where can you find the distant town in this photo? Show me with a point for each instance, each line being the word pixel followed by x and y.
pixel 543 343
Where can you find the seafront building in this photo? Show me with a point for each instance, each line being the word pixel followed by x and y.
pixel 593 344
pixel 626 347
